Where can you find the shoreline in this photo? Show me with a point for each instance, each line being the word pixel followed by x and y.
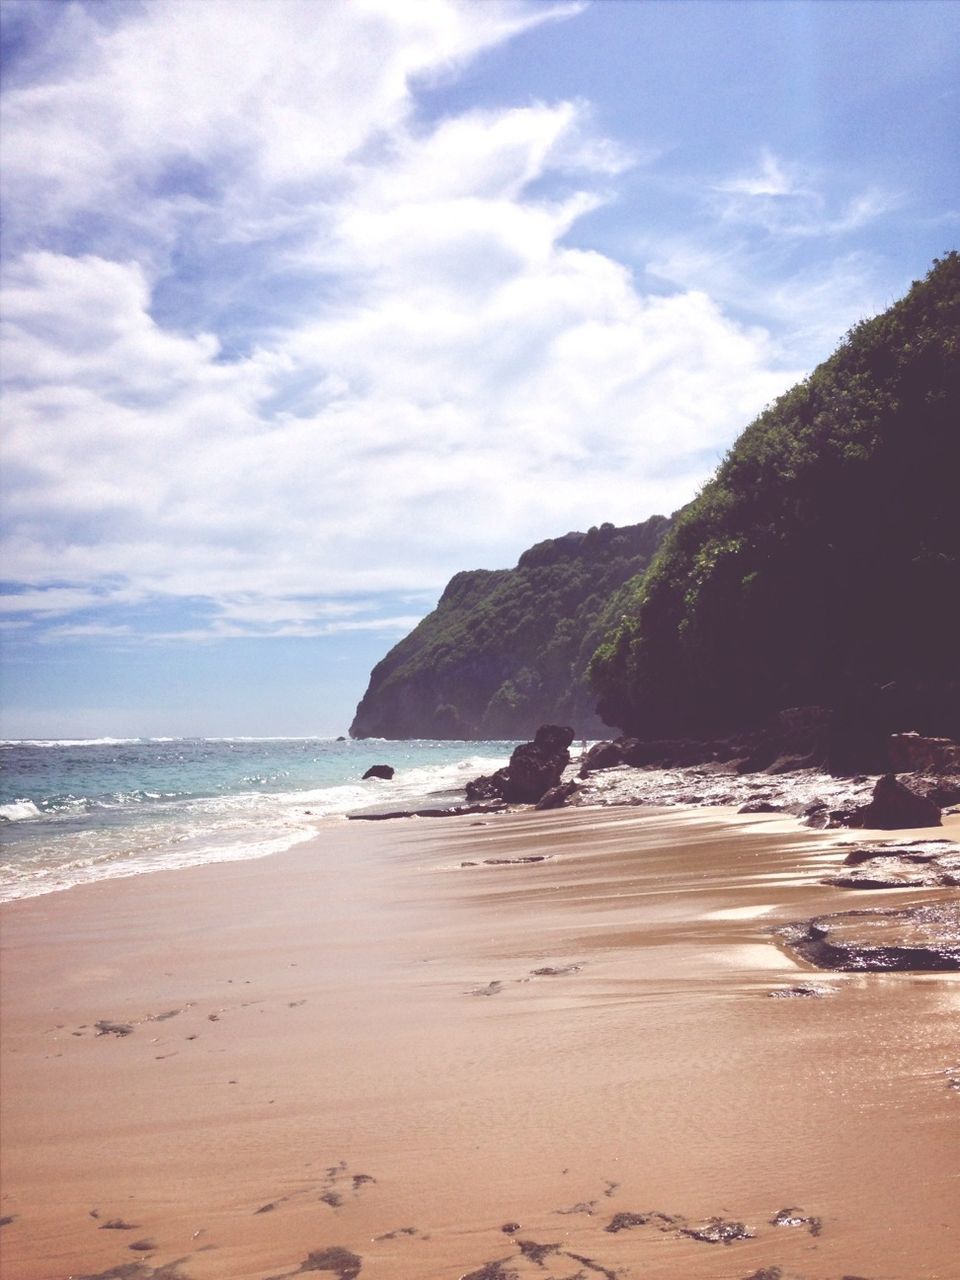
pixel 477 1045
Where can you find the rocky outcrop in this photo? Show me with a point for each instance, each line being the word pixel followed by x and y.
pixel 558 797
pixel 912 753
pixel 385 771
pixel 506 650
pixel 895 805
pixel 927 864
pixel 796 738
pixel 604 755
pixel 535 767
pixel 917 938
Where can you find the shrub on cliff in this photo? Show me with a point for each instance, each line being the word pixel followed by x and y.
pixel 507 650
pixel 822 562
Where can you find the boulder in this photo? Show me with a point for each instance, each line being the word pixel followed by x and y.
pixel 385 771
pixel 558 796
pixel 895 805
pixel 912 753
pixel 534 768
pixel 486 788
pixel 605 755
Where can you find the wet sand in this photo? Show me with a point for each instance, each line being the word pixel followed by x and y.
pixel 343 1060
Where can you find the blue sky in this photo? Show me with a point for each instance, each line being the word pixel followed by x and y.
pixel 308 306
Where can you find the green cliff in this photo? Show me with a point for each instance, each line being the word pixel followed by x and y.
pixel 821 565
pixel 507 650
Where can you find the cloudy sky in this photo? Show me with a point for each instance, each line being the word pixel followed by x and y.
pixel 309 304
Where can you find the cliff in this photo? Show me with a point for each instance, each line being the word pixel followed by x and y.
pixel 821 565
pixel 507 650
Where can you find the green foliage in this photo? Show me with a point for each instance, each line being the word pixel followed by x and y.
pixel 823 559
pixel 506 650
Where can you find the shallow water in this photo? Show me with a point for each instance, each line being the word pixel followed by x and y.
pixel 72 812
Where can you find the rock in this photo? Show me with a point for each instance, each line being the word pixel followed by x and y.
pixel 895 805
pixel 820 818
pixel 803 991
pixel 385 771
pixel 488 787
pixel 718 1231
pixel 759 806
pixel 558 796
pixel 344 1264
pixel 455 811
pixel 605 755
pixel 918 864
pixel 797 1218
pixel 911 753
pixel 341 738
pixel 941 788
pixel 534 768
pixel 914 938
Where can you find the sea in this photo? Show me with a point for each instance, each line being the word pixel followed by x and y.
pixel 76 811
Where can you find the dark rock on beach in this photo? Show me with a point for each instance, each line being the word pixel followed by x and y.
pixel 496 1270
pixel 916 938
pixel 138 1271
pixel 107 1028
pixel 916 864
pixel 558 797
pixel 605 755
pixel 797 1218
pixel 535 767
pixel 344 1264
pixel 454 811
pixel 718 1231
pixel 895 805
pixel 912 753
pixel 385 771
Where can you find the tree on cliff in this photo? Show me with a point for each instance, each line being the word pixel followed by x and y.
pixel 507 650
pixel 822 563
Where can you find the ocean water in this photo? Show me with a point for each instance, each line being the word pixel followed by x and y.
pixel 77 811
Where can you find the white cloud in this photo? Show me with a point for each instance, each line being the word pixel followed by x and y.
pixel 771 178
pixel 791 202
pixel 455 383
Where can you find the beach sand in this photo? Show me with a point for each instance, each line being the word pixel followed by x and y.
pixel 343 1061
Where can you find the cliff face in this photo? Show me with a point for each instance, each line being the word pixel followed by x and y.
pixel 507 650
pixel 822 562
pixel 820 566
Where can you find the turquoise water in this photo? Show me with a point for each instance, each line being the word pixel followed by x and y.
pixel 77 811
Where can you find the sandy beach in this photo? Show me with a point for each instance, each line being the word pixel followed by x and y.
pixel 365 1058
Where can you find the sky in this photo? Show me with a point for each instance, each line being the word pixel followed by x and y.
pixel 309 305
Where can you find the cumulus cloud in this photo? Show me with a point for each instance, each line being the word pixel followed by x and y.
pixel 281 340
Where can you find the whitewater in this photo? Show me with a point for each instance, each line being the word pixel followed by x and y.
pixel 73 811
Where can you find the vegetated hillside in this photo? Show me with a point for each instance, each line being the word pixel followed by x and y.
pixel 507 650
pixel 821 565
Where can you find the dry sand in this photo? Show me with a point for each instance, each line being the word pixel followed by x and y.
pixel 346 1050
